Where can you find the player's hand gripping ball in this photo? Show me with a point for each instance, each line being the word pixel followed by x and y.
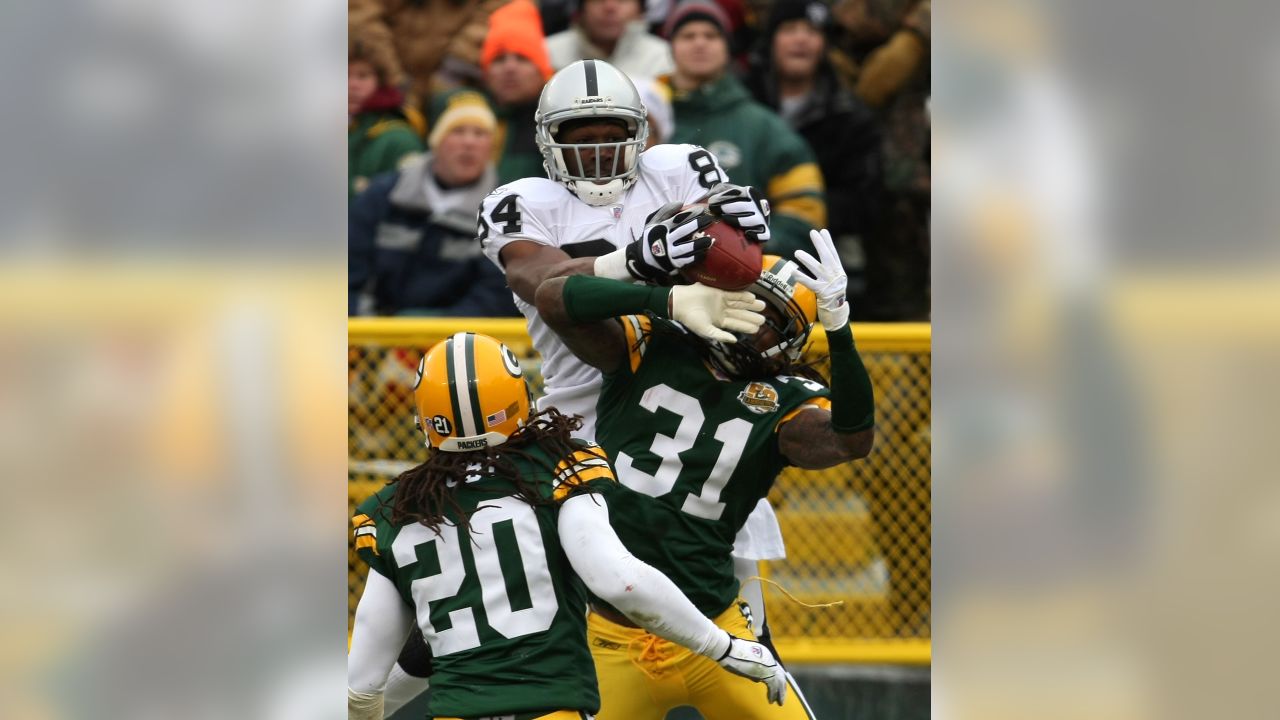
pixel 742 207
pixel 732 262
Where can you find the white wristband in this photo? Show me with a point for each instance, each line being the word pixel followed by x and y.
pixel 613 266
pixel 835 318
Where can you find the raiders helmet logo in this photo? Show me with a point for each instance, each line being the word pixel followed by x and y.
pixel 759 397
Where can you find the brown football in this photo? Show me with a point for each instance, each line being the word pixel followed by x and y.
pixel 731 263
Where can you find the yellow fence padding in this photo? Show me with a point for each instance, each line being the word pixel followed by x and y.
pixel 858 533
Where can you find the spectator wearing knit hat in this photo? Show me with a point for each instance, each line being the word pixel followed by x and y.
pixel 516 66
pixel 792 75
pixel 381 132
pixel 411 246
pixel 613 31
pixel 753 144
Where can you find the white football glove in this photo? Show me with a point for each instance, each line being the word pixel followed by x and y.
pixel 710 312
pixel 743 207
pixel 826 279
pixel 753 661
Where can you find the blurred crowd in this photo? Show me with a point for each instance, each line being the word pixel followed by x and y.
pixel 820 104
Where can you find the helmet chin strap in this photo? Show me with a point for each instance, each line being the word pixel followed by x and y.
pixel 596 195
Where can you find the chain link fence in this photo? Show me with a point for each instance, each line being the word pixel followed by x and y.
pixel 856 576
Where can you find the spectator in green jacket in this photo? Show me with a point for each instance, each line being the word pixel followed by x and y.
pixel 791 75
pixel 382 134
pixel 753 144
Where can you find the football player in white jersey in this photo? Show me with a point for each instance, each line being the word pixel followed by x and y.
pixel 610 208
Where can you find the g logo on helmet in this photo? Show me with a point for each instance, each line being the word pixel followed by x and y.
pixel 417 380
pixel 441 425
pixel 510 362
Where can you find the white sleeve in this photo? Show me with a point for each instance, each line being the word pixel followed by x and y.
pixel 522 210
pixel 644 594
pixel 401 688
pixel 689 171
pixel 383 622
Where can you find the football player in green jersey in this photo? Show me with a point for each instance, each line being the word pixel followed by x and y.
pixel 704 427
pixel 487 546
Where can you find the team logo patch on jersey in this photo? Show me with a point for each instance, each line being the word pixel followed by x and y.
pixel 617 211
pixel 760 398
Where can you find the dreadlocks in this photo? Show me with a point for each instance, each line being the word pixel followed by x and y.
pixel 428 493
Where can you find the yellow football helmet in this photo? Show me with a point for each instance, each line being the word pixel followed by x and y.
pixel 798 306
pixel 470 393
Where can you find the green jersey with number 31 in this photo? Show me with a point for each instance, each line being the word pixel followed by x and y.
pixel 705 448
pixel 500 605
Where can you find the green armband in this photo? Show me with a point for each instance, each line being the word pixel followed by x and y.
pixel 587 298
pixel 853 405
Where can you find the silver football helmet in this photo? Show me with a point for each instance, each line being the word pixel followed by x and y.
pixel 591 89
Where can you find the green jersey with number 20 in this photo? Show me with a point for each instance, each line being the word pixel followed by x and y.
pixel 500 605
pixel 705 448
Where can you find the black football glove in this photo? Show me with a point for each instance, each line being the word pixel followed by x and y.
pixel 669 242
pixel 742 207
